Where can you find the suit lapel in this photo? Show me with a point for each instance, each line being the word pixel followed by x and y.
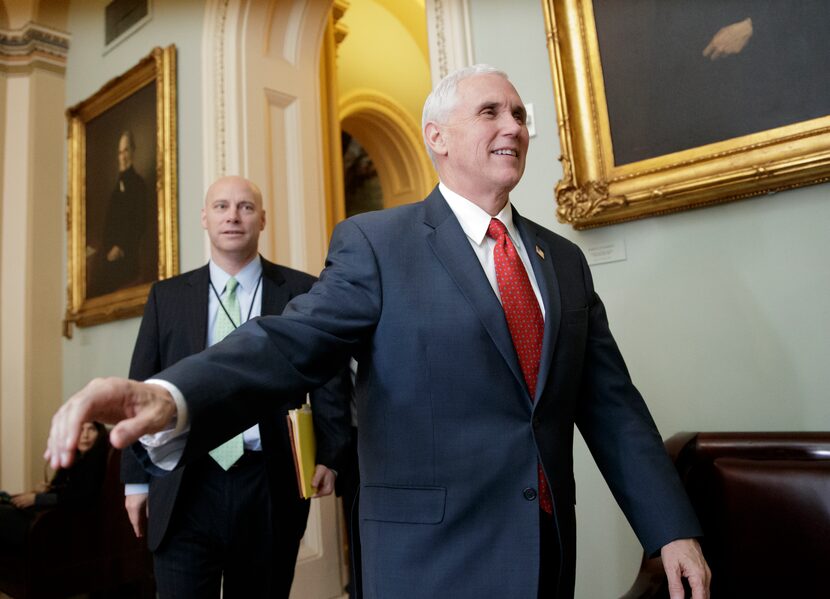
pixel 451 246
pixel 197 289
pixel 548 287
pixel 274 293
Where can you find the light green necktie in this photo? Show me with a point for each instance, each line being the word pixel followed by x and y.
pixel 227 320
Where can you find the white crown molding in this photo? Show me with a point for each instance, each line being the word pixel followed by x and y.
pixel 33 46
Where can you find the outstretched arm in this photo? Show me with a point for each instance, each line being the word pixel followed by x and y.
pixel 267 357
pixel 135 408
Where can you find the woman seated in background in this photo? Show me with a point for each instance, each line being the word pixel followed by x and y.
pixel 71 487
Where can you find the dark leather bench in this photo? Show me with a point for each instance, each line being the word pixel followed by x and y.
pixel 93 549
pixel 763 500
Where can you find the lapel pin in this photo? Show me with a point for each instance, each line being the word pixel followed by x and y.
pixel 540 252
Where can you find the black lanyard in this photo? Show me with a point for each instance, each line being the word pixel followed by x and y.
pixel 250 308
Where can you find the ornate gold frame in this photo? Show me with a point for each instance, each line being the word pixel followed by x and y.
pixel 594 191
pixel 158 66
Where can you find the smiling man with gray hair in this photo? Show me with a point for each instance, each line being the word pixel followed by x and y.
pixel 481 344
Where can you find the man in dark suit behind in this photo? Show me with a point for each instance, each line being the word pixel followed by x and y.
pixel 481 343
pixel 206 522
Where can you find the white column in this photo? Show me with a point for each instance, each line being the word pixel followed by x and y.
pixel 32 289
pixel 448 32
pixel 13 283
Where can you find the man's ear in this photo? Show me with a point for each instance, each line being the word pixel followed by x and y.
pixel 204 219
pixel 435 139
pixel 262 220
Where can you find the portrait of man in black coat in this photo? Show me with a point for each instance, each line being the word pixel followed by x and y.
pixel 128 253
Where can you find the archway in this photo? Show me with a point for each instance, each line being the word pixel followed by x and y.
pixel 394 143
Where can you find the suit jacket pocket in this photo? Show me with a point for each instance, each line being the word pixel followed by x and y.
pixel 413 505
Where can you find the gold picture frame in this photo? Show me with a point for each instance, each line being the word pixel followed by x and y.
pixel 122 193
pixel 604 83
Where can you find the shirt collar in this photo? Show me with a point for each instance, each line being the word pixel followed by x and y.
pixel 247 278
pixel 475 221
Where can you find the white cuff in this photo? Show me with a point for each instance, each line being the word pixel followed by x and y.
pixel 136 489
pixel 165 448
pixel 180 422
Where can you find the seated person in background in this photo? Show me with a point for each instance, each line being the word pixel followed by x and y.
pixel 70 487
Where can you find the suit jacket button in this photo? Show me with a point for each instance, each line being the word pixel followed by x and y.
pixel 529 493
pixel 535 422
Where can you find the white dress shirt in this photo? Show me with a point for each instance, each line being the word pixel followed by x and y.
pixel 475 222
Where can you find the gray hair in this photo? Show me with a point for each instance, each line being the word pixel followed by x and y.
pixel 442 99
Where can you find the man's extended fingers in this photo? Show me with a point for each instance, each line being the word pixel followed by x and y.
pixel 96 401
pixel 675 584
pixel 147 409
pixel 64 433
pixel 700 583
pixel 699 589
pixel 66 425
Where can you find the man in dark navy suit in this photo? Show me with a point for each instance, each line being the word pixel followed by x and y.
pixel 241 521
pixel 481 344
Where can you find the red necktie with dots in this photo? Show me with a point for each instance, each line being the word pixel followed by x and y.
pixel 524 320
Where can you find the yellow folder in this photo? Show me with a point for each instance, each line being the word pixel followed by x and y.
pixel 304 447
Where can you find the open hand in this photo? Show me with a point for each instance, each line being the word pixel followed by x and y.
pixel 135 408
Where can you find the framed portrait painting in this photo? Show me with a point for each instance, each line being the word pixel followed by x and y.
pixel 122 192
pixel 666 105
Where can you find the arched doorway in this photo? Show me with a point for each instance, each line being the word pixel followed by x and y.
pixel 393 141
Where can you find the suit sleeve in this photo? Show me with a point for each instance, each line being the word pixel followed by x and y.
pixel 332 419
pixel 275 357
pixel 146 361
pixel 625 442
